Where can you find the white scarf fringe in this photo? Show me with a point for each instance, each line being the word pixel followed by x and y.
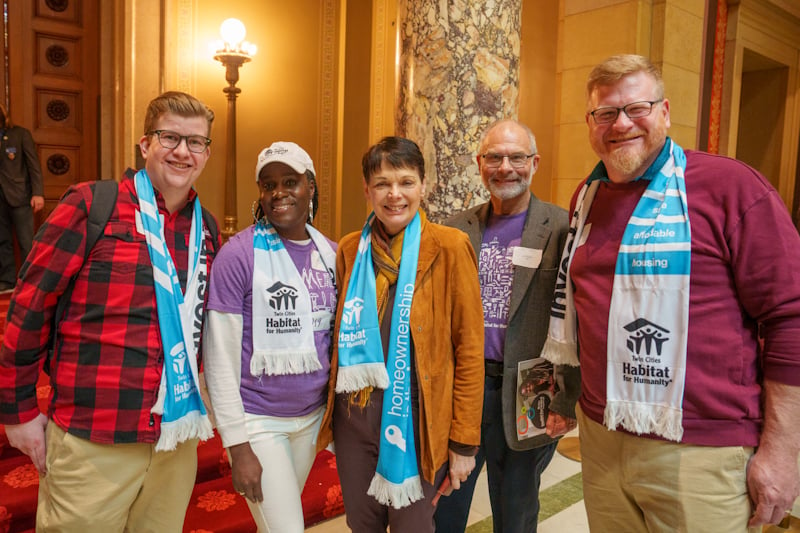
pixel 358 377
pixel 192 426
pixel 643 418
pixel 560 353
pixel 280 362
pixel 395 495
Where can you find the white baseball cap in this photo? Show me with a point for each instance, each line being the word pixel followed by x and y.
pixel 287 153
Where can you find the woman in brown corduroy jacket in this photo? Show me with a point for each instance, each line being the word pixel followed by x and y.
pixel 446 325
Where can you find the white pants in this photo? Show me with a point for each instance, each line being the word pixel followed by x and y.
pixel 286 448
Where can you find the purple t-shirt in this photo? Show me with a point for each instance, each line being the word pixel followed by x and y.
pixel 496 273
pixel 231 291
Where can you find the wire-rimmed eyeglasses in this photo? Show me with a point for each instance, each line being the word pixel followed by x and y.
pixel 607 115
pixel 492 160
pixel 170 140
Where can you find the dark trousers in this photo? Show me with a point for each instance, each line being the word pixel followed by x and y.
pixel 513 476
pixel 356 434
pixel 21 220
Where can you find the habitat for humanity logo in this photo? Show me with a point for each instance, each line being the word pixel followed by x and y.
pixel 645 334
pixel 282 296
pixel 278 150
pixel 352 335
pixel 645 343
pixel 183 385
pixel 352 311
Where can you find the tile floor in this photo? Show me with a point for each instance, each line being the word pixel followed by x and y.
pixel 572 518
pixel 564 515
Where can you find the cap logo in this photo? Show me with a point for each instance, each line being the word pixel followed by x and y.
pixel 276 151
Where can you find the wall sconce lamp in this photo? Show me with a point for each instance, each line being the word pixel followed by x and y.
pixel 232 51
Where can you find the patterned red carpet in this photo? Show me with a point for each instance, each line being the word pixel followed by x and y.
pixel 214 508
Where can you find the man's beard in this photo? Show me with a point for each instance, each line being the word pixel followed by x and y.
pixel 509 190
pixel 631 161
pixel 627 162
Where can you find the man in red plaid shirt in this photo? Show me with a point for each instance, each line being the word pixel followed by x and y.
pixel 98 450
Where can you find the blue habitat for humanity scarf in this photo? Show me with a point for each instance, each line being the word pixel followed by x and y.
pixel 283 319
pixel 361 364
pixel 649 312
pixel 183 415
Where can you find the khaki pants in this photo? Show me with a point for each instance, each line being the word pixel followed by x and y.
pixel 113 487
pixel 634 484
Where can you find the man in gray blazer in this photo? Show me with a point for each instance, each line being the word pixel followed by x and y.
pixel 21 195
pixel 518 240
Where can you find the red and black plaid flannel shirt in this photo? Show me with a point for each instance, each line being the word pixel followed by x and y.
pixel 107 367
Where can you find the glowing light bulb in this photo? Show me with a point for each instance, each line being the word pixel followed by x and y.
pixel 233 32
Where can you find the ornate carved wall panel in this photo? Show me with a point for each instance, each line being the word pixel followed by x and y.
pixel 57 109
pixel 63 10
pixel 57 56
pixel 53 87
pixel 61 166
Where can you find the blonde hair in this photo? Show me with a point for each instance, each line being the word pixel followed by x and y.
pixel 178 103
pixel 617 67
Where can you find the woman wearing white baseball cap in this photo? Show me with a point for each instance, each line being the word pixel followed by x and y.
pixel 267 343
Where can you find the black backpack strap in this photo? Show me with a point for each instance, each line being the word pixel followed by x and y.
pixel 211 224
pixel 104 198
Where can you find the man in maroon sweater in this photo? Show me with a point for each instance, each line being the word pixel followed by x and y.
pixel 665 292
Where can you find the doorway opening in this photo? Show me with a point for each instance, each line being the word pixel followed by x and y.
pixel 762 112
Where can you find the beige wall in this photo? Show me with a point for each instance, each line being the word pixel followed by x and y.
pixel 356 113
pixel 537 85
pixel 670 32
pixel 676 45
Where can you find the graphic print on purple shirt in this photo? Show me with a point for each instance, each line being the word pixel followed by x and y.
pixel 496 273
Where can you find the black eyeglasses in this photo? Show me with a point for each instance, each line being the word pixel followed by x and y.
pixel 170 140
pixel 495 160
pixel 607 115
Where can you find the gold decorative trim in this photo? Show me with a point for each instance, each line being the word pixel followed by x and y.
pixel 327 115
pixel 379 77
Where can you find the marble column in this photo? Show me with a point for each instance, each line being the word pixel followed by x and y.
pixel 458 71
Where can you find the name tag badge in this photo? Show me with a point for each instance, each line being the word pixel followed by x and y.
pixel 526 257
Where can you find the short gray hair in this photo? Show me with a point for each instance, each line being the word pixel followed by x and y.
pixel 496 123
